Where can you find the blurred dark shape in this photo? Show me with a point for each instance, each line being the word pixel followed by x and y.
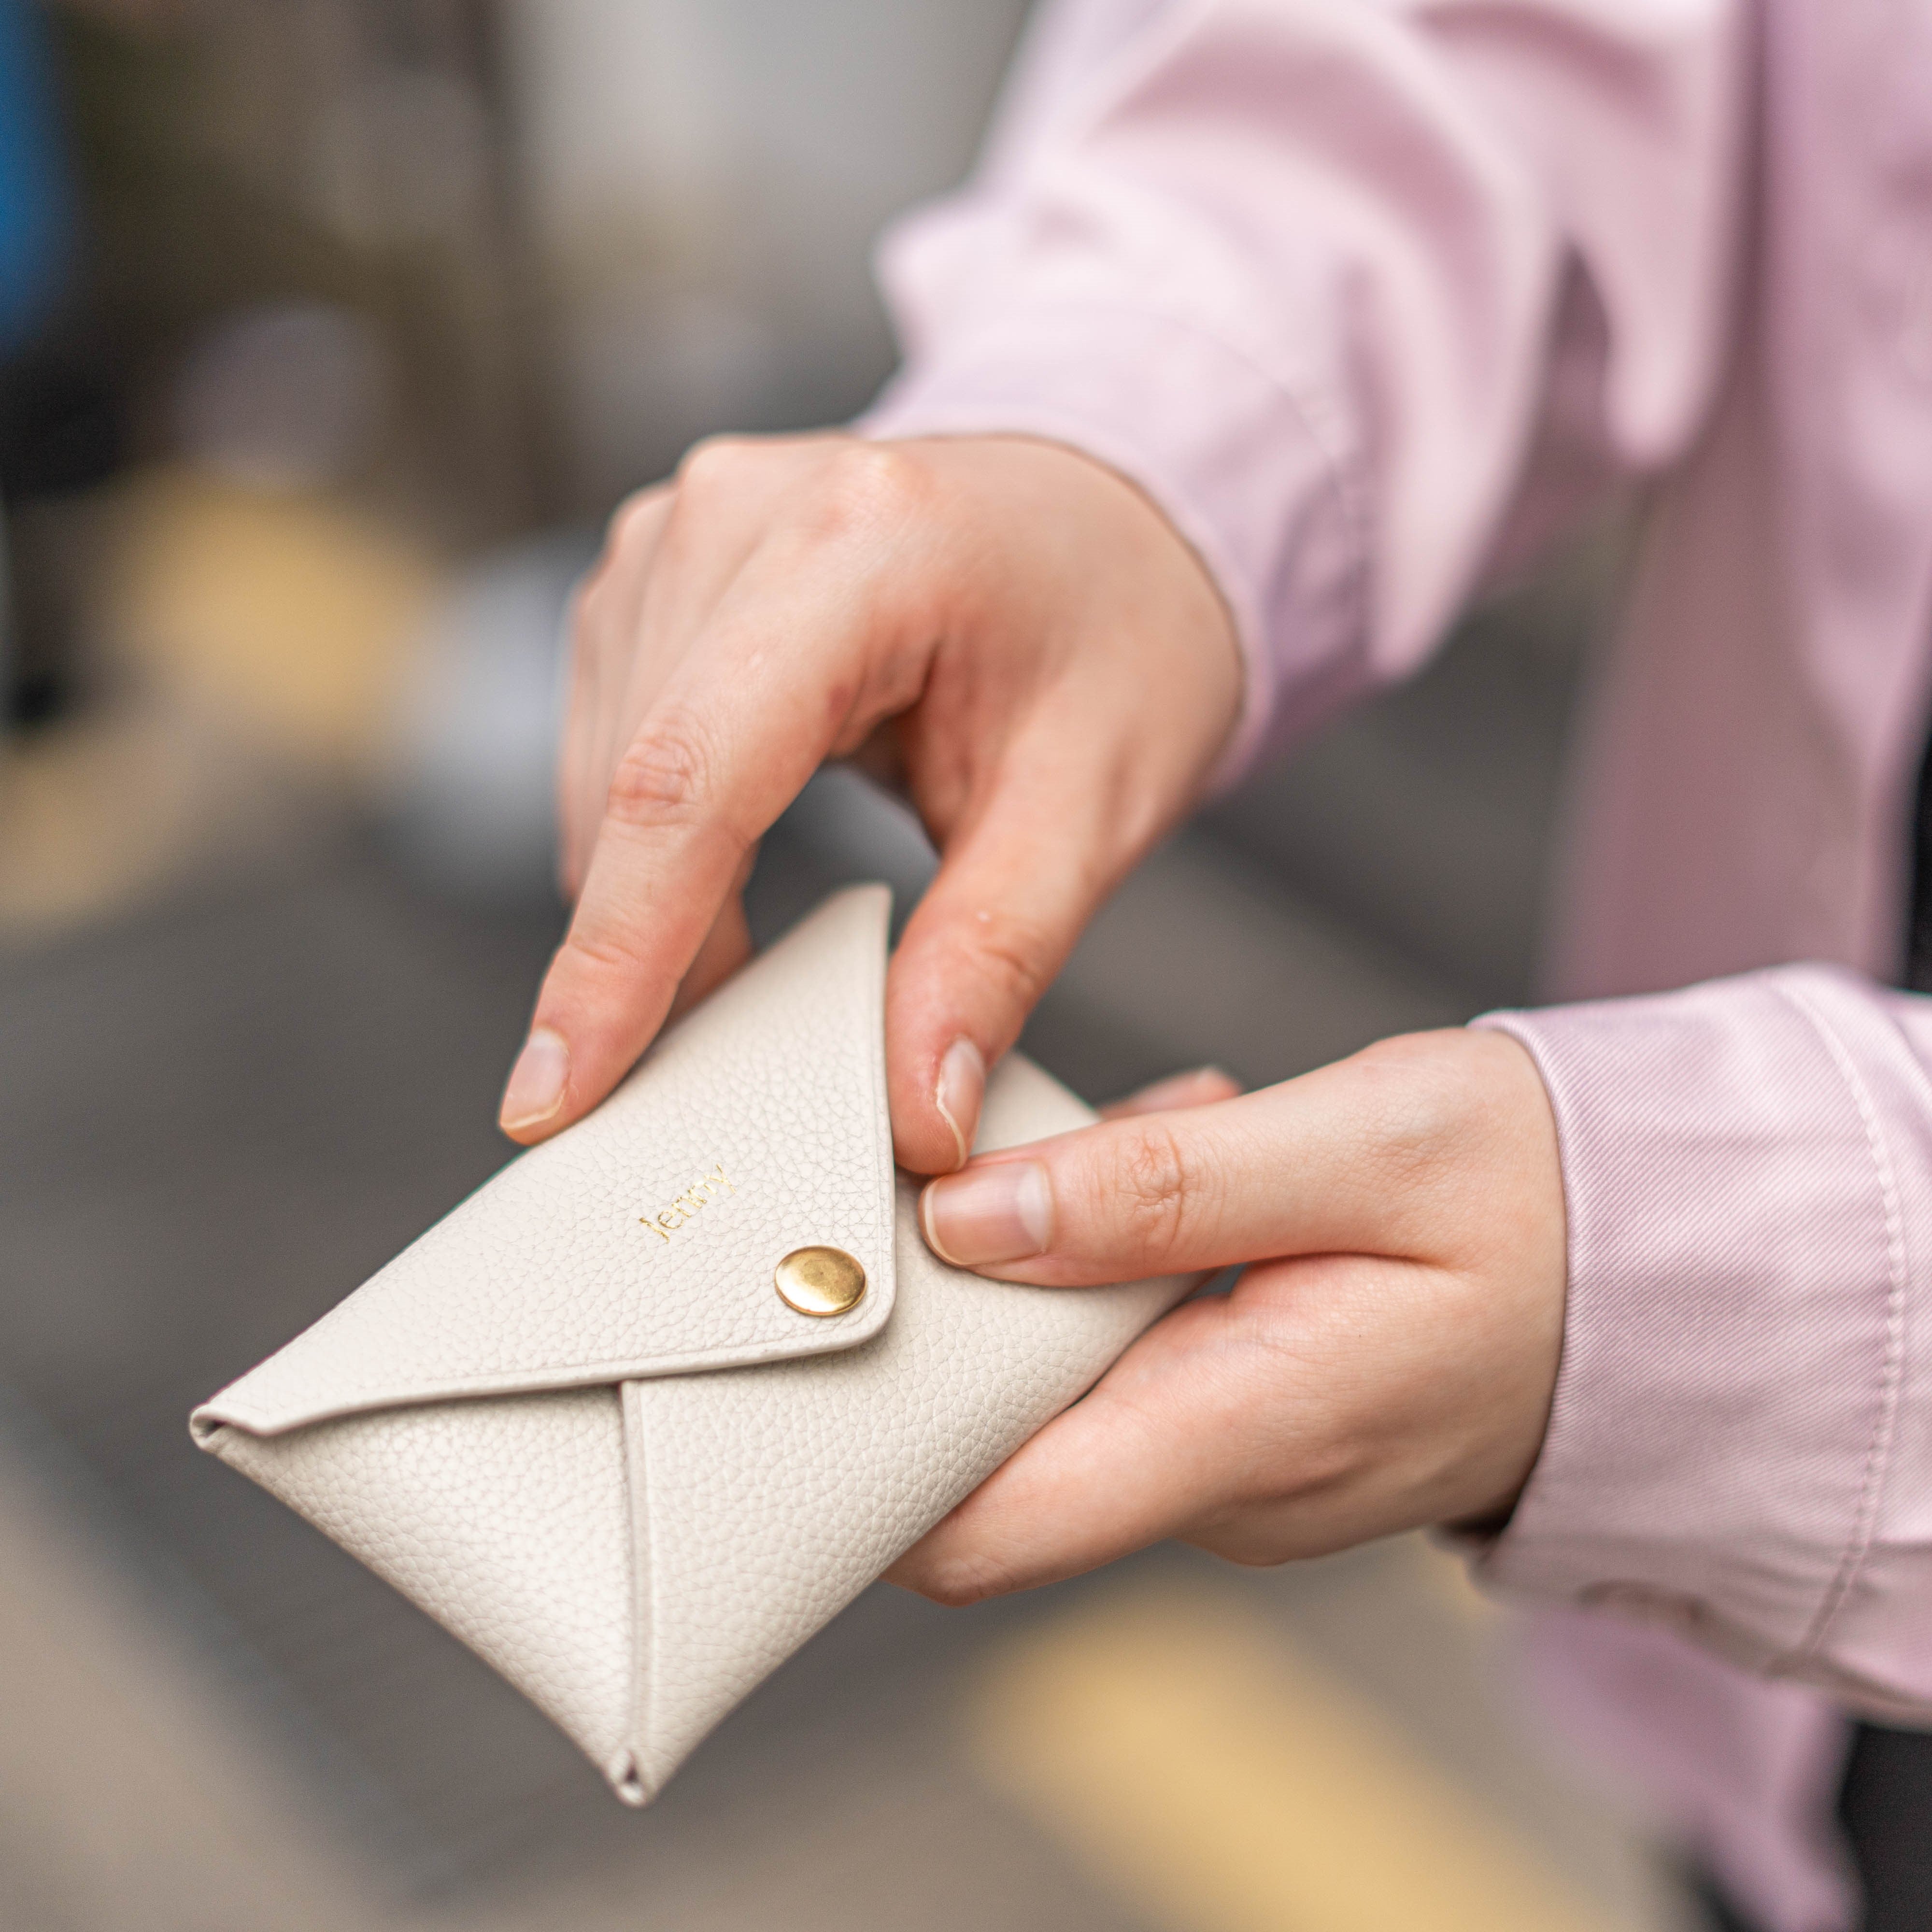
pixel 62 433
pixel 56 433
pixel 285 396
pixel 1884 1806
pixel 290 258
pixel 61 426
pixel 321 192
pixel 35 199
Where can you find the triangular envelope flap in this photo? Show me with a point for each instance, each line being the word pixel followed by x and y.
pixel 642 1241
pixel 508 1520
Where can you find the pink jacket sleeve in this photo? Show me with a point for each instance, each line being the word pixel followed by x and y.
pixel 1355 289
pixel 1359 291
pixel 1741 1447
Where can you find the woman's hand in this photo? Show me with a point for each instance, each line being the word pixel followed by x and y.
pixel 1387 1362
pixel 1017 633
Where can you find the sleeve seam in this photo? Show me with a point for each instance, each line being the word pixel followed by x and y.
pixel 1313 412
pixel 1121 448
pixel 991 326
pixel 1864 1518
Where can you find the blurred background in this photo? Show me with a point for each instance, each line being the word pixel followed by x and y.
pixel 330 332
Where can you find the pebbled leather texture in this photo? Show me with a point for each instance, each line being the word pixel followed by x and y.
pixel 619 1467
pixel 508 1519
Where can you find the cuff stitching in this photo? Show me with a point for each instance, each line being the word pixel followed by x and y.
pixel 1864 1518
pixel 1313 406
pixel 1321 422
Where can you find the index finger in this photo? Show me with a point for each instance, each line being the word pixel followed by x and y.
pixel 778 681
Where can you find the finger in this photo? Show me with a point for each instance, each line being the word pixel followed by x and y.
pixel 741 726
pixel 575 826
pixel 1202 1087
pixel 1157 1445
pixel 1330 1398
pixel 604 623
pixel 1323 1164
pixel 1018 883
pixel 710 522
pixel 727 946
pixel 727 497
pixel 673 550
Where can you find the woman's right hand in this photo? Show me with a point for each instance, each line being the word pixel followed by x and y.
pixel 1019 635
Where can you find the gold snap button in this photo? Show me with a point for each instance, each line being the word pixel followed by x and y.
pixel 820 1281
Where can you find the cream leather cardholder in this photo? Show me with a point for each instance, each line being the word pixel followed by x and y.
pixel 645 1412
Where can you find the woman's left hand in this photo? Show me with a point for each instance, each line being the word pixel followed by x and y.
pixel 1386 1360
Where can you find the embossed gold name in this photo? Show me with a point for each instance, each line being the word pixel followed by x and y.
pixel 700 1193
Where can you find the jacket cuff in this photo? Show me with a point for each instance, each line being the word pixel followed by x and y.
pixel 1237 463
pixel 1743 1226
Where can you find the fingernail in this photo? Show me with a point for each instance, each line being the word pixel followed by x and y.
pixel 536 1084
pixel 1001 1212
pixel 962 1086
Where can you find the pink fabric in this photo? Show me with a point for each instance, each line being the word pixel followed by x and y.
pixel 1745 1402
pixel 1371 295
pixel 1734 1769
pixel 1739 1450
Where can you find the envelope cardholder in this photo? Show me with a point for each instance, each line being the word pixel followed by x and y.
pixel 645 1412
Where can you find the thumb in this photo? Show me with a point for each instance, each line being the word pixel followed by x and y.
pixel 1291 1170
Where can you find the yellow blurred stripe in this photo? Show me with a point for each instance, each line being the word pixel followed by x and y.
pixel 1219 1782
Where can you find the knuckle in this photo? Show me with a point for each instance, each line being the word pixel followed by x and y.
pixel 715 481
pixel 715 465
pixel 1152 1192
pixel 663 778
pixel 1421 1115
pixel 869 489
pixel 1016 955
pixel 959 1582
pixel 667 781
pixel 591 953
pixel 632 522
